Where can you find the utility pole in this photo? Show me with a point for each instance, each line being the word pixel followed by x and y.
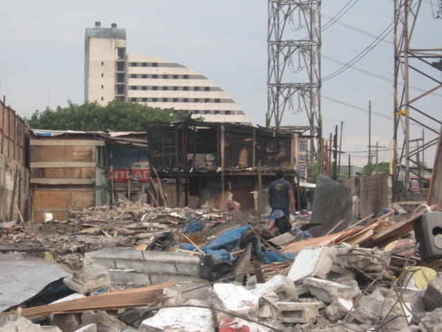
pixel 377 153
pixel 294 64
pixel 340 145
pixel 335 154
pixel 349 165
pixel 369 132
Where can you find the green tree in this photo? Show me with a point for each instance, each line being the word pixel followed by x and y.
pixel 379 168
pixel 117 116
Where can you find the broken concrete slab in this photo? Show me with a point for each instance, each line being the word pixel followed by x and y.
pixel 103 321
pixel 314 262
pixel 87 328
pixel 329 291
pixel 433 295
pixel 179 319
pixel 432 321
pixel 338 309
pixel 15 323
pixel 22 277
pixel 132 268
pixel 184 291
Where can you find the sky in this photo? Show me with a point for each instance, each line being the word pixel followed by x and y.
pixel 41 63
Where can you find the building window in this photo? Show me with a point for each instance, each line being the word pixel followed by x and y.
pixel 154 76
pixel 133 64
pixel 102 86
pixel 154 88
pixel 102 75
pixel 144 100
pixel 186 88
pixel 165 100
pixel 166 76
pixel 102 63
pixel 185 100
pixel 121 52
pixel 102 98
pixel 154 64
pixel 207 100
pixel 217 100
pixel 228 112
pixel 186 76
pixel 120 66
pixel 120 78
pixel 175 100
pixel 196 100
pixel 175 88
pixel 165 88
pixel 120 89
pixel 144 87
pixel 154 100
pixel 176 76
pixel 145 64
pixel 207 88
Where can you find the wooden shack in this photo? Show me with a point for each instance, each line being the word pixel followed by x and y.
pixel 67 171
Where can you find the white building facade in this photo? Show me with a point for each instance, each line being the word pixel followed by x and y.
pixel 112 74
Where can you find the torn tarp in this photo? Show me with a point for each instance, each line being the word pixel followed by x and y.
pixel 221 247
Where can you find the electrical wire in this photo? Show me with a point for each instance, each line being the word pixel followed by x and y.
pixel 361 54
pixel 344 10
pixel 337 101
pixel 374 75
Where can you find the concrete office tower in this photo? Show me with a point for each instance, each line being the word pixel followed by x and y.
pixel 111 73
pixel 105 64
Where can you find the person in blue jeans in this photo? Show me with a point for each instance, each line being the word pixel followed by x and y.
pixel 282 201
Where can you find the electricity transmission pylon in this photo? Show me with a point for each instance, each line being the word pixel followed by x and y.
pixel 410 110
pixel 294 63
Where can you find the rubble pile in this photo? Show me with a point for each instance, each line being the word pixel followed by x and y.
pixel 159 269
pixel 125 224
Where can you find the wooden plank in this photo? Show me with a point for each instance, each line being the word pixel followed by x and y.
pixel 63 181
pixel 115 300
pixel 62 164
pixel 62 198
pixel 66 142
pixel 67 173
pixel 63 154
pixel 318 241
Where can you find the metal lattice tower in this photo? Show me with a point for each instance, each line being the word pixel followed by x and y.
pixel 410 109
pixel 294 62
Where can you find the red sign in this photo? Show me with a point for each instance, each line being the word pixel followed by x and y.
pixel 134 174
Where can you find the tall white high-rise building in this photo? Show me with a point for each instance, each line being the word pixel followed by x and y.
pixel 113 74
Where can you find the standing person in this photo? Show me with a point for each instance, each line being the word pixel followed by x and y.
pixel 282 201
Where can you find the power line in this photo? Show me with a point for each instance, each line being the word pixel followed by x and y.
pixel 344 10
pixel 337 101
pixel 374 75
pixel 361 54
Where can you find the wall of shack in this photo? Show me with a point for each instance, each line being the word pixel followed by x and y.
pixel 14 172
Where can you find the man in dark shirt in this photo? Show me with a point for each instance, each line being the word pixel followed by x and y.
pixel 281 198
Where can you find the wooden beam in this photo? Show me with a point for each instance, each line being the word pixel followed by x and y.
pixel 63 164
pixel 115 300
pixel 62 181
pixel 66 142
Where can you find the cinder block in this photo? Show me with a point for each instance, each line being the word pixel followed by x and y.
pixel 298 312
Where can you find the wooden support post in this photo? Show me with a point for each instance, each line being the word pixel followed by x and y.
pixel 178 191
pixel 260 200
pixel 254 147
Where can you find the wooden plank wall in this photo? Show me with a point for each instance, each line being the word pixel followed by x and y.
pixel 14 173
pixel 63 175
